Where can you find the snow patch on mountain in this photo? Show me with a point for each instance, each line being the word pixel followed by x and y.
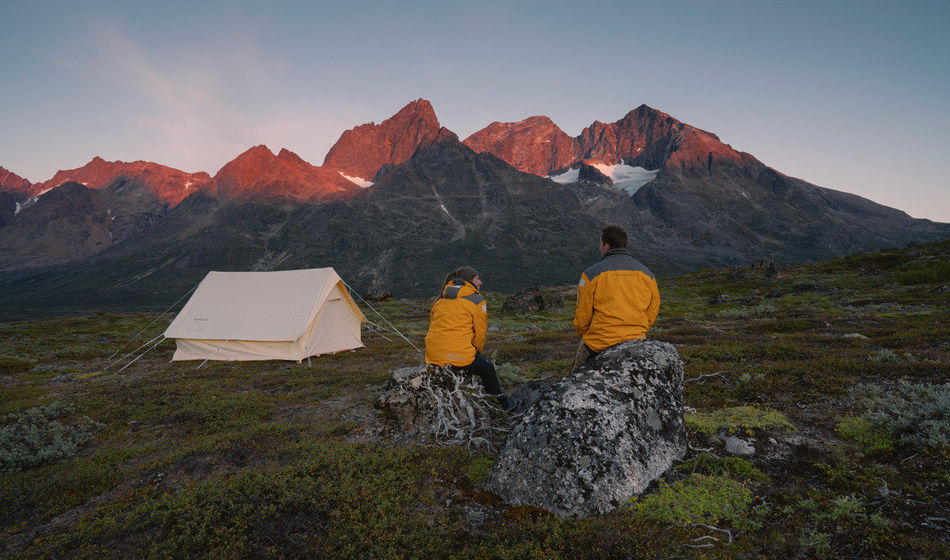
pixel 358 181
pixel 626 177
pixel 569 176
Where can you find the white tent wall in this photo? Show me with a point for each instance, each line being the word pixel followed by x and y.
pixel 334 328
pixel 286 315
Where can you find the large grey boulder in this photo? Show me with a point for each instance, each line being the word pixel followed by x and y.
pixel 599 436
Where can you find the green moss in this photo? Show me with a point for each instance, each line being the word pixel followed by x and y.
pixel 478 470
pixel 733 467
pixel 697 499
pixel 737 419
pixel 873 438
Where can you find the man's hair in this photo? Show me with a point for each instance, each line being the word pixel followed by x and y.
pixel 614 236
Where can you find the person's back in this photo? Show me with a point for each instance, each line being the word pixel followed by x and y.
pixel 457 325
pixel 617 298
pixel 624 300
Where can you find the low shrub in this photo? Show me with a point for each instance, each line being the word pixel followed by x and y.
pixel 742 312
pixel 733 467
pixel 478 470
pixel 931 273
pixel 697 499
pixel 738 419
pixel 916 415
pixel 35 436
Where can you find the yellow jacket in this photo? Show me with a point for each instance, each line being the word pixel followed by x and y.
pixel 617 300
pixel 458 323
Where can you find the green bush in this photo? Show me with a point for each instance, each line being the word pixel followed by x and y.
pixel 733 467
pixel 510 374
pixel 9 364
pixel 35 436
pixel 742 312
pixel 916 415
pixel 697 499
pixel 931 273
pixel 478 470
pixel 873 438
pixel 738 419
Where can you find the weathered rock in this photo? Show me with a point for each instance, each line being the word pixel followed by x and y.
pixel 774 294
pixel 853 335
pixel 598 436
pixel 377 294
pixel 450 406
pixel 526 395
pixel 942 289
pixel 738 446
pixel 718 299
pixel 532 300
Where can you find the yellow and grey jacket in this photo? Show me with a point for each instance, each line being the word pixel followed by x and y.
pixel 617 300
pixel 458 323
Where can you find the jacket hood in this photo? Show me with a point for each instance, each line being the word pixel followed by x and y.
pixel 458 288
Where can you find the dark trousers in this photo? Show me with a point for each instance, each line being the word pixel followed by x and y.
pixel 483 368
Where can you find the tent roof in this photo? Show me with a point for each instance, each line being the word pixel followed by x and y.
pixel 266 306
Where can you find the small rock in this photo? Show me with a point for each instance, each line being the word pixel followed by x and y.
pixel 739 447
pixel 853 335
pixel 721 298
pixel 774 294
pixel 942 289
pixel 530 300
pixel 377 294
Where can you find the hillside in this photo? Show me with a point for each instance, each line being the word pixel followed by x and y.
pixel 286 460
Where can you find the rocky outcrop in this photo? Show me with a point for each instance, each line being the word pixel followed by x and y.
pixel 166 183
pixel 362 150
pixel 644 137
pixel 258 173
pixel 599 436
pixel 530 300
pixel 13 183
pixel 535 145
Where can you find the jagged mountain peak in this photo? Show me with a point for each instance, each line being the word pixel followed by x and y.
pixel 361 151
pixel 11 182
pixel 167 183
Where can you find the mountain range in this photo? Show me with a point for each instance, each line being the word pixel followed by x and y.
pixel 394 205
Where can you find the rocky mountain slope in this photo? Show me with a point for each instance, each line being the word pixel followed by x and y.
pixel 435 203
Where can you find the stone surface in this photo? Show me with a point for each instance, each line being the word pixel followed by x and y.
pixel 598 436
pixel 378 294
pixel 719 299
pixel 529 300
pixel 437 401
pixel 739 447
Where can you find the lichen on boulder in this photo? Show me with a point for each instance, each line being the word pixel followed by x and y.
pixel 598 436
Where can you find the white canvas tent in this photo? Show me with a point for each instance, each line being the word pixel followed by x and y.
pixel 284 315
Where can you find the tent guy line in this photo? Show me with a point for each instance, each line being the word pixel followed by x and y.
pixel 380 315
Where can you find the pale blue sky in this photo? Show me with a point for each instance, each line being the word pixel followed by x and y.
pixel 848 95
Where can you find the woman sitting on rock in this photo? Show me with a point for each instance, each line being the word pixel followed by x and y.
pixel 458 324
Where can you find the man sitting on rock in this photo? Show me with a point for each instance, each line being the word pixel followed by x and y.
pixel 617 298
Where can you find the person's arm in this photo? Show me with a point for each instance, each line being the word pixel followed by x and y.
pixel 585 305
pixel 654 309
pixel 480 326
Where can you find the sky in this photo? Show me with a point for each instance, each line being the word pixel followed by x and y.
pixel 848 95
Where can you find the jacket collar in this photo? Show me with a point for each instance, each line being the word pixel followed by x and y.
pixel 458 288
pixel 617 251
